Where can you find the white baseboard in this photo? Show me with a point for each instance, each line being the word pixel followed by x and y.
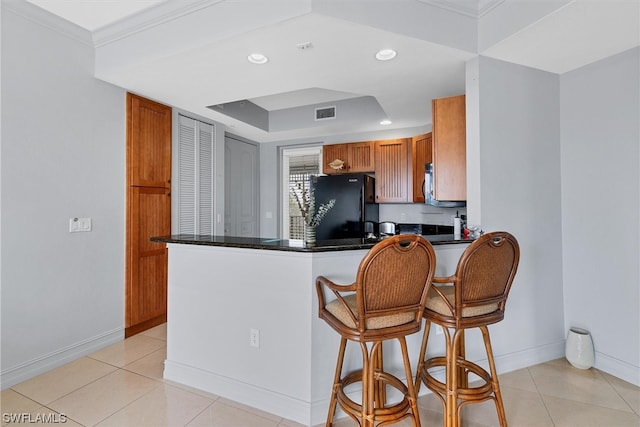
pixel 54 359
pixel 529 357
pixel 618 368
pixel 260 398
pixel 314 413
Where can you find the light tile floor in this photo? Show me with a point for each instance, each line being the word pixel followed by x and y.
pixel 122 385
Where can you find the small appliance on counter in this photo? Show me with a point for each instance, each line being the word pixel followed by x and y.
pixel 355 214
pixel 387 228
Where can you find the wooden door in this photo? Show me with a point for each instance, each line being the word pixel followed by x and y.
pixel 420 155
pixel 148 143
pixel 449 148
pixel 393 171
pixel 361 156
pixel 150 215
pixel 148 212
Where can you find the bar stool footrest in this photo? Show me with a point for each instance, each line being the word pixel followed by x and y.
pixel 381 414
pixel 476 393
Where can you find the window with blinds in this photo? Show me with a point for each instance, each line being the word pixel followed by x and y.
pixel 195 177
pixel 300 169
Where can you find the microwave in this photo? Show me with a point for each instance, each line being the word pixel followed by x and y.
pixel 428 191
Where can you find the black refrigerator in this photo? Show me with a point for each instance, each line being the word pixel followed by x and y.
pixel 355 212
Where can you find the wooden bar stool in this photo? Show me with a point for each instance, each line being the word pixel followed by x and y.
pixel 385 302
pixel 477 299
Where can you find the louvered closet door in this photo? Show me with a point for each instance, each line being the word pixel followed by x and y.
pixel 195 177
pixel 204 212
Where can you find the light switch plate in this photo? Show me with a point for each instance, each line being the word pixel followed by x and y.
pixel 77 225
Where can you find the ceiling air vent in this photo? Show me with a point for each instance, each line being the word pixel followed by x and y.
pixel 326 113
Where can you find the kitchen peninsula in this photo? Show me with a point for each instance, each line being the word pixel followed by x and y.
pixel 243 318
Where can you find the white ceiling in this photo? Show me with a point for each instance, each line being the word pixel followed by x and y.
pixel 192 53
pixel 95 14
pixel 577 34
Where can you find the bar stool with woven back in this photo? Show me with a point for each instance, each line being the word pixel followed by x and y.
pixel 385 302
pixel 477 299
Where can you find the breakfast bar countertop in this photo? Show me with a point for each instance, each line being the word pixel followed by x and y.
pixel 292 245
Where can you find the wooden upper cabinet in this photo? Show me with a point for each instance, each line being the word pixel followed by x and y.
pixel 357 157
pixel 421 153
pixel 334 152
pixel 393 171
pixel 361 156
pixel 449 149
pixel 148 143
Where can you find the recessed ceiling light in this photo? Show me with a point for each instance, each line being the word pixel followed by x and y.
pixel 386 122
pixel 386 54
pixel 257 58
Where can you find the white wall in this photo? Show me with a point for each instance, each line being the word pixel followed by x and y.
pixel 63 154
pixel 600 110
pixel 518 146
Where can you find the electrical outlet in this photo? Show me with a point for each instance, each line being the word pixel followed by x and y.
pixel 403 216
pixel 254 337
pixel 439 330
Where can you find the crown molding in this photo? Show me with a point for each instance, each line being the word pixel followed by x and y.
pixel 53 22
pixel 487 6
pixel 148 18
pixel 463 7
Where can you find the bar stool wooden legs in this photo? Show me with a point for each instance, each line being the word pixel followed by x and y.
pixel 386 302
pixel 477 299
pixel 373 406
pixel 455 392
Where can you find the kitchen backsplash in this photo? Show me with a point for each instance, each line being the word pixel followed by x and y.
pixel 419 213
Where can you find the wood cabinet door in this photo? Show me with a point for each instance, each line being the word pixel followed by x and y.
pixel 361 156
pixel 420 155
pixel 449 148
pixel 149 215
pixel 393 171
pixel 333 152
pixel 148 143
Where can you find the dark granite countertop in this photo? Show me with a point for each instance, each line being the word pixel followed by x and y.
pixel 276 244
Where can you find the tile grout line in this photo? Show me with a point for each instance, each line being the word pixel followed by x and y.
pixel 46 404
pixel 541 396
pixel 591 404
pixel 618 393
pixel 134 400
pixel 200 413
pixel 132 361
